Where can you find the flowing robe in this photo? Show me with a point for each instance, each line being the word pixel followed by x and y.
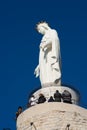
pixel 49 58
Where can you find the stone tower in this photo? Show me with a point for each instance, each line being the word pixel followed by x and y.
pixel 53 115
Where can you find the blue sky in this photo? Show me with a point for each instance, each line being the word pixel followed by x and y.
pixel 19 49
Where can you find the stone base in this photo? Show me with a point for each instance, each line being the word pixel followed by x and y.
pixel 53 116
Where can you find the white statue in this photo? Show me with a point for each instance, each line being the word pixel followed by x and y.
pixel 49 67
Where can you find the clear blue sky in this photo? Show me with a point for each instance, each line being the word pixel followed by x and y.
pixel 19 48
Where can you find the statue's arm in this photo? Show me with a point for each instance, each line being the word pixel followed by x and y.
pixel 46 44
pixel 47 41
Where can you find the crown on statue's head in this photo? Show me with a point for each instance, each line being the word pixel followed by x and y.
pixel 43 24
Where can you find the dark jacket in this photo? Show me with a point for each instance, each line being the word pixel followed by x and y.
pixel 41 99
pixel 57 97
pixel 66 96
pixel 51 99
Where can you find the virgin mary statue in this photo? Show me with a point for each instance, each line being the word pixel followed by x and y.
pixel 49 67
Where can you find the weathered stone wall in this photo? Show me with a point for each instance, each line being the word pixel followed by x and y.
pixel 53 116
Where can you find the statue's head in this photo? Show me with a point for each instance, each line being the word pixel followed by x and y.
pixel 42 27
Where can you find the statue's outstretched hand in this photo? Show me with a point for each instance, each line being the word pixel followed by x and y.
pixel 37 71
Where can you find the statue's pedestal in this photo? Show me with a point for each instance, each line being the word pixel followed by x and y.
pixel 53 116
pixel 49 91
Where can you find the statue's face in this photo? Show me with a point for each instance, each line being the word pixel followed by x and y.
pixel 41 30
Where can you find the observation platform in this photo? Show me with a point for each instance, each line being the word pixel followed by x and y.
pixel 48 91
